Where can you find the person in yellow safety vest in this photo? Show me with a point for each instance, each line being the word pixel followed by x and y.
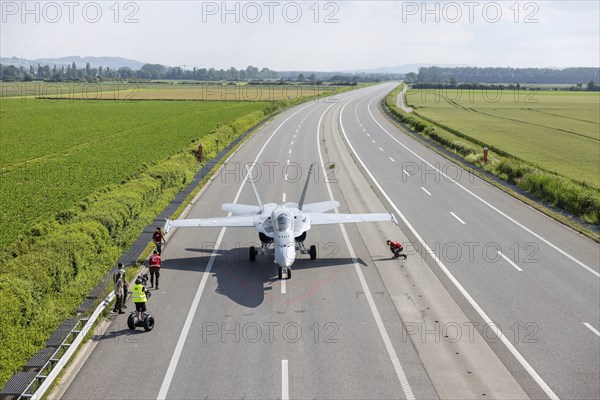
pixel 138 295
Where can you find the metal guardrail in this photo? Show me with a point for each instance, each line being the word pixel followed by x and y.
pixel 54 358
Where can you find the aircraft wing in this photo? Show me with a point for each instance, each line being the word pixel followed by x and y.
pixel 240 209
pixel 321 207
pixel 237 221
pixel 324 219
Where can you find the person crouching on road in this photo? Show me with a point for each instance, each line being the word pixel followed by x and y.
pixel 119 279
pixel 396 249
pixel 138 295
pixel 154 268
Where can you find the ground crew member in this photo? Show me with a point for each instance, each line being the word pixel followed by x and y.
pixel 158 239
pixel 154 268
pixel 138 295
pixel 396 249
pixel 118 279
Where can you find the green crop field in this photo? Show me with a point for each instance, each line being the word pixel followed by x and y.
pixel 161 91
pixel 55 153
pixel 558 131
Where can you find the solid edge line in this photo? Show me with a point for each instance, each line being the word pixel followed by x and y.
pixel 511 219
pixel 591 328
pixel 374 311
pixel 538 379
pixel 166 384
pixel 510 262
pixel 285 380
pixel 425 190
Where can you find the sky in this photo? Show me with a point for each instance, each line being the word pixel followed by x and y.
pixel 308 35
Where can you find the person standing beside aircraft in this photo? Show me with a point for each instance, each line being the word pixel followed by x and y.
pixel 155 263
pixel 158 239
pixel 120 291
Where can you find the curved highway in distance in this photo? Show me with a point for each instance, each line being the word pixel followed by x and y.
pixel 341 328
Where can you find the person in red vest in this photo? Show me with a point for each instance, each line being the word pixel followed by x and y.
pixel 155 264
pixel 158 240
pixel 396 249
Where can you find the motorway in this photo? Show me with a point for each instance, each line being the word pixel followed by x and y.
pixel 495 300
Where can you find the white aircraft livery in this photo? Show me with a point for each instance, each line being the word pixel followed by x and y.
pixel 282 226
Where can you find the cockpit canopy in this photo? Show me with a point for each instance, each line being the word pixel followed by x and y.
pixel 283 222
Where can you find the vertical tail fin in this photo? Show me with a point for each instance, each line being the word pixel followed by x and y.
pixel 301 202
pixel 249 169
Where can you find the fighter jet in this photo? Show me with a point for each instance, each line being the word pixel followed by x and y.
pixel 280 226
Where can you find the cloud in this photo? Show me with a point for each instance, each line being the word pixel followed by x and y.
pixel 313 36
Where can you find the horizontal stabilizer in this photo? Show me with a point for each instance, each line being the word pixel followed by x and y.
pixel 320 207
pixel 324 219
pixel 240 209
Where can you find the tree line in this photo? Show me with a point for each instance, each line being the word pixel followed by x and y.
pixel 72 72
pixel 148 71
pixel 504 75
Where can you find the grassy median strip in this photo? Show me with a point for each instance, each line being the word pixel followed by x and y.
pixel 578 198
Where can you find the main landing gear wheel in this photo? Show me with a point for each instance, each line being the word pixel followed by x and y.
pixel 313 252
pixel 252 253
pixel 284 271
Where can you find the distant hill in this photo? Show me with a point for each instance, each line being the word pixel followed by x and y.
pixel 95 62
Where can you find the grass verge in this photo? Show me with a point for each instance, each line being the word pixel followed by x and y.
pixel 577 198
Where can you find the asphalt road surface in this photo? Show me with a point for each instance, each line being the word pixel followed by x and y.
pixel 508 307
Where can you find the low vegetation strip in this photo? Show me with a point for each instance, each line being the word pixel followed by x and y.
pixel 49 271
pixel 576 197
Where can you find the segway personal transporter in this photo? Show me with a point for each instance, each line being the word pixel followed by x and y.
pixel 148 321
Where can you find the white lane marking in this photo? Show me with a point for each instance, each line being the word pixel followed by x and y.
pixel 364 129
pixel 291 144
pixel 283 197
pixel 372 140
pixel 408 393
pixel 459 220
pixel 285 380
pixel 425 190
pixel 561 251
pixel 294 136
pixel 166 384
pixel 405 172
pixel 287 162
pixel 591 328
pixel 290 151
pixel 456 283
pixel 368 135
pixel 283 286
pixel 380 149
pixel 285 177
pixel 297 130
pixel 508 260
pixel 392 159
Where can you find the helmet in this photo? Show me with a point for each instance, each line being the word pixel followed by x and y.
pixel 138 281
pixel 155 251
pixel 388 241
